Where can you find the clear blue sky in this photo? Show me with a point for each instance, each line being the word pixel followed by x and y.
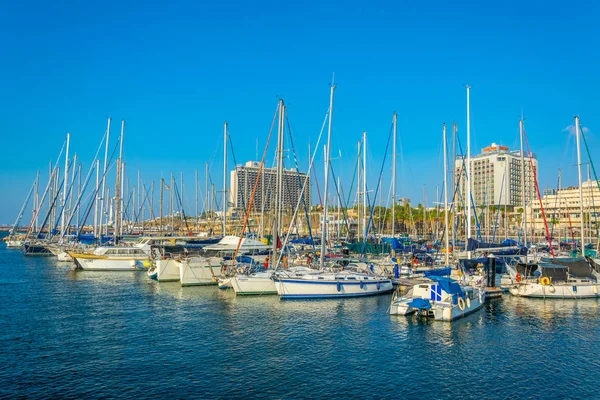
pixel 176 71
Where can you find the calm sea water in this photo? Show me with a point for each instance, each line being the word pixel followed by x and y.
pixel 67 334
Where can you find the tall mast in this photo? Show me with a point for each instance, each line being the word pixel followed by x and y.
pixel 454 187
pixel 358 189
pixel 122 218
pixel 365 185
pixel 468 197
pixel 279 179
pixel 64 198
pixel 523 186
pixel 206 203
pixel 196 199
pixel 326 183
pixel 103 196
pixel 172 202
pixel 394 179
pixel 74 169
pixel 224 177
pixel 580 186
pixel 446 233
pixel 424 212
pixel 117 218
pixel 160 205
pixel 36 200
pixel 96 230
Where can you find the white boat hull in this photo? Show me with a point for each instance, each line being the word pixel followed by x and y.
pixel 167 270
pixel 64 256
pixel 556 291
pixel 89 264
pixel 14 244
pixel 313 289
pixel 450 312
pixel 199 271
pixel 255 284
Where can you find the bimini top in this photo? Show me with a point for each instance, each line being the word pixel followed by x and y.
pixel 448 285
pixel 578 267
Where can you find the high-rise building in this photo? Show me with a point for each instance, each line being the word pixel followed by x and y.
pixel 496 177
pixel 244 179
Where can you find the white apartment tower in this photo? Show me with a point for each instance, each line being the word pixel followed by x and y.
pixel 243 180
pixel 496 177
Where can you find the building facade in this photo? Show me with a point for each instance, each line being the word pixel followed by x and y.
pixel 496 177
pixel 562 209
pixel 244 179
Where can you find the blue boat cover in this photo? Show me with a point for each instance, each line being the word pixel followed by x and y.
pixel 302 241
pixel 449 286
pixel 438 272
pixel 422 304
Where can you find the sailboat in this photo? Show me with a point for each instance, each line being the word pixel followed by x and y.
pixel 443 298
pixel 261 282
pixel 332 283
pixel 561 277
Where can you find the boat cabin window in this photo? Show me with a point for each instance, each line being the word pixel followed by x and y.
pixel 351 278
pixel 423 286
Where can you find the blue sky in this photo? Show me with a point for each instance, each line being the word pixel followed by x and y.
pixel 176 71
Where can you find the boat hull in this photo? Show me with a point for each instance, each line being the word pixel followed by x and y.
pixel 451 312
pixel 199 271
pixel 245 285
pixel 103 264
pixel 37 250
pixel 305 289
pixel 167 270
pixel 14 244
pixel 536 290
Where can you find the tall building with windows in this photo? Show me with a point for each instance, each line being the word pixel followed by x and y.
pixel 496 177
pixel 243 179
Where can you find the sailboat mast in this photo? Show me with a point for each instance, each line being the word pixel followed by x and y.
pixel 103 196
pixel 326 183
pixel 454 187
pixel 468 191
pixel 117 218
pixel 446 233
pixel 365 185
pixel 523 195
pixel 160 205
pixel 206 208
pixel 394 179
pixel 580 186
pixel 64 198
pixel 279 177
pixel 36 200
pixel 196 176
pixel 358 188
pixel 224 177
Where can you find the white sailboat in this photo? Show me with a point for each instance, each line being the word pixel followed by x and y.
pixel 262 282
pixel 561 278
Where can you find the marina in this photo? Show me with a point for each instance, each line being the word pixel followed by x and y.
pixel 310 200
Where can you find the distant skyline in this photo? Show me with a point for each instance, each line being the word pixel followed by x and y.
pixel 176 72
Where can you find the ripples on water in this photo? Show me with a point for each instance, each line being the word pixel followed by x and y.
pixel 94 334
